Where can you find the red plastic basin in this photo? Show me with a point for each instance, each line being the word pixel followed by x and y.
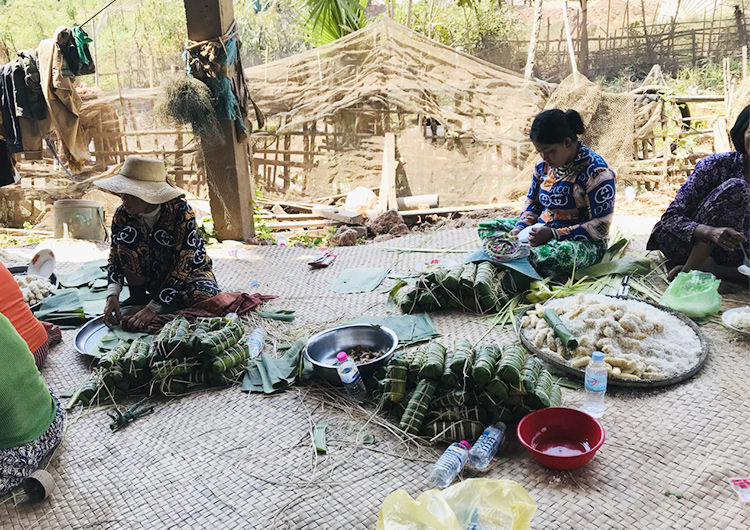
pixel 560 437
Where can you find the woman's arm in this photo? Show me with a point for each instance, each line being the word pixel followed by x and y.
pixel 678 219
pixel 600 190
pixel 532 208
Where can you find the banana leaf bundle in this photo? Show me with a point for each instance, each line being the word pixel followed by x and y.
pixel 497 388
pixel 400 408
pixel 394 386
pixel 496 409
pixel 236 355
pixel 467 278
pixel 163 369
pixel 114 379
pixel 451 279
pixel 555 396
pixel 112 357
pixel 456 414
pixel 173 340
pixel 462 361
pixel 485 363
pixel 137 357
pixel 454 398
pixel 519 411
pixel 212 343
pixel 539 397
pixel 531 372
pixel 416 361
pixel 511 364
pixel 449 379
pixel 404 296
pixel 87 390
pixel 418 405
pixel 210 323
pixel 173 385
pixel 453 431
pixel 228 377
pixel 434 362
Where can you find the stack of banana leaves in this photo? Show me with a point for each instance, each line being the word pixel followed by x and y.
pixel 452 394
pixel 476 287
pixel 209 352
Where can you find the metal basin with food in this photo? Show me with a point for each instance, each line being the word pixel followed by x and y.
pixel 322 349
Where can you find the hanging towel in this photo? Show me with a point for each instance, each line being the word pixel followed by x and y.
pixel 63 102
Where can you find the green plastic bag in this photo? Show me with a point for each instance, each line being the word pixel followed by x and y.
pixel 485 502
pixel 694 293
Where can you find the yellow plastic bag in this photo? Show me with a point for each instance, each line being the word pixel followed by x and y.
pixel 488 503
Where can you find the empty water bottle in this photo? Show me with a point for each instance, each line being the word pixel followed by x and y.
pixel 487 445
pixel 255 342
pixel 596 386
pixel 450 464
pixel 350 377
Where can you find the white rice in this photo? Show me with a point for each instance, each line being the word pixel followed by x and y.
pixel 740 320
pixel 674 351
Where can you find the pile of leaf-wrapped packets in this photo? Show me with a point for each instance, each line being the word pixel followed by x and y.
pixel 182 355
pixel 451 395
pixel 475 287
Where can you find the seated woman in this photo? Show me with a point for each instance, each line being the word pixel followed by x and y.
pixel 570 200
pixel 156 247
pixel 31 419
pixel 18 312
pixel 709 218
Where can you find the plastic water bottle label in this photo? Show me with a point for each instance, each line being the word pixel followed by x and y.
pixel 456 453
pixel 349 376
pixel 596 384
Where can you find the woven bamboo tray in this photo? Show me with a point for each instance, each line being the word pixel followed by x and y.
pixel 614 381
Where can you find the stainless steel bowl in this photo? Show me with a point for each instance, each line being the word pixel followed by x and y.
pixel 322 349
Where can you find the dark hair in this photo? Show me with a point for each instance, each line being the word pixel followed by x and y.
pixel 738 131
pixel 554 126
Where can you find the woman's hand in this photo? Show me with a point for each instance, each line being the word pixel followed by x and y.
pixel 726 238
pixel 112 311
pixel 540 235
pixel 140 321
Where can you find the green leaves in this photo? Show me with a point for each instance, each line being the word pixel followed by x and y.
pixel 330 20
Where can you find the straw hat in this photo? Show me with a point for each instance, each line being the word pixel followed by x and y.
pixel 145 178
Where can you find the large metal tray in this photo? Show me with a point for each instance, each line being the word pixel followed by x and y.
pixel 21 270
pixel 579 373
pixel 89 335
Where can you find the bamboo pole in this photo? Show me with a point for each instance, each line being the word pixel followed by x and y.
pixel 744 62
pixel 536 28
pixel 571 50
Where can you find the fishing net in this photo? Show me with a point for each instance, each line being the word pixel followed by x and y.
pixel 186 100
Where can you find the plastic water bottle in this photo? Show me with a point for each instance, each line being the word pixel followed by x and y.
pixel 450 464
pixel 596 386
pixel 255 342
pixel 350 376
pixel 487 445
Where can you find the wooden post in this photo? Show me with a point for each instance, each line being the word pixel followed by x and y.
pixel 536 27
pixel 583 55
pixel 387 192
pixel 226 165
pixel 744 62
pixel 727 86
pixel 571 50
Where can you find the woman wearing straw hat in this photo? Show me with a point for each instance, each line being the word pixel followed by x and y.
pixel 156 247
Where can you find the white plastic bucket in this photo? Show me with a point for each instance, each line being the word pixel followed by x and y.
pixel 79 219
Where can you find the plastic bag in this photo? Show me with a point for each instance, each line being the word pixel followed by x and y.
pixel 360 200
pixel 694 293
pixel 474 503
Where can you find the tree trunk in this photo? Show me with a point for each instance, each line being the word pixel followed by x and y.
pixel 583 58
pixel 535 29
pixel 408 14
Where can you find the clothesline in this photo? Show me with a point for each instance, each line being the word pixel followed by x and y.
pixel 98 12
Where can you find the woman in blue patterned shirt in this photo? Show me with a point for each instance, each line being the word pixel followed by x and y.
pixel 570 201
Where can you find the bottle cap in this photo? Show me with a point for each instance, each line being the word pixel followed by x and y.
pixel 466 444
pixel 597 356
pixel 341 356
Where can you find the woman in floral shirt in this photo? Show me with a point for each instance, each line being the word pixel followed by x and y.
pixel 709 218
pixel 570 201
pixel 156 247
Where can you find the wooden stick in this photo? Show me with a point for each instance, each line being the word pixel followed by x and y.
pixel 744 62
pixel 568 37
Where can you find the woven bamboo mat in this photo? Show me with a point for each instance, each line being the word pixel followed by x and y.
pixel 224 459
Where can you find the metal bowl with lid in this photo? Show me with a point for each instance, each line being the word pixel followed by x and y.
pixel 322 348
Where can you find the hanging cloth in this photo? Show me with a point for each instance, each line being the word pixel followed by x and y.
pixel 11 125
pixel 85 62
